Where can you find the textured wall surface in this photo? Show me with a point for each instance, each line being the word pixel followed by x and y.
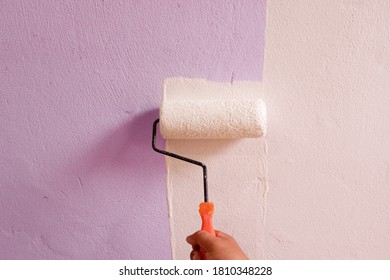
pixel 80 82
pixel 326 82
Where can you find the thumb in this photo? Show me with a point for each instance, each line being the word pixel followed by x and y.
pixel 202 238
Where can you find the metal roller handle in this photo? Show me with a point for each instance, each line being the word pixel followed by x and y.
pixel 205 189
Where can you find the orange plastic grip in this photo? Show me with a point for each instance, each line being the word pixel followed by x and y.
pixel 206 211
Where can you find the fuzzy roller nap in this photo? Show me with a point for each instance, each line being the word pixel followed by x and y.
pixel 213 119
pixel 210 119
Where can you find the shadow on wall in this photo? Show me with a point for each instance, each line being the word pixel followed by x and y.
pixel 126 151
pixel 126 148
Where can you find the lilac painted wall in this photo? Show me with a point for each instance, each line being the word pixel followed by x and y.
pixel 80 82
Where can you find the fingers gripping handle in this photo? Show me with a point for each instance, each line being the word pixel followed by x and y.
pixel 206 211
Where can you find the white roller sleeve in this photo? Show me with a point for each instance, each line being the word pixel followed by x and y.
pixel 213 119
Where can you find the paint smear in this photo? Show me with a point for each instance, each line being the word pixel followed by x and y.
pixel 237 174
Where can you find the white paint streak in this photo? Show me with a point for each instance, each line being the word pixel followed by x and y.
pixel 237 174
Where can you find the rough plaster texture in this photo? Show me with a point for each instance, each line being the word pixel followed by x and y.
pixel 80 85
pixel 236 173
pixel 326 84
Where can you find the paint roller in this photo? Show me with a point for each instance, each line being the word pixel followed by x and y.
pixel 209 119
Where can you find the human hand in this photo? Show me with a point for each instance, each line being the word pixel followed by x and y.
pixel 219 247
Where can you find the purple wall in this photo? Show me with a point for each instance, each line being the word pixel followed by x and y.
pixel 80 84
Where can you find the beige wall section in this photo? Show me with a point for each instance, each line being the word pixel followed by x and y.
pixel 327 90
pixel 236 168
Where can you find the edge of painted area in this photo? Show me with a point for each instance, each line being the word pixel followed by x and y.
pixel 236 208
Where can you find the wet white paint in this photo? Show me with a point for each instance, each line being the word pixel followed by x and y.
pixel 236 168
